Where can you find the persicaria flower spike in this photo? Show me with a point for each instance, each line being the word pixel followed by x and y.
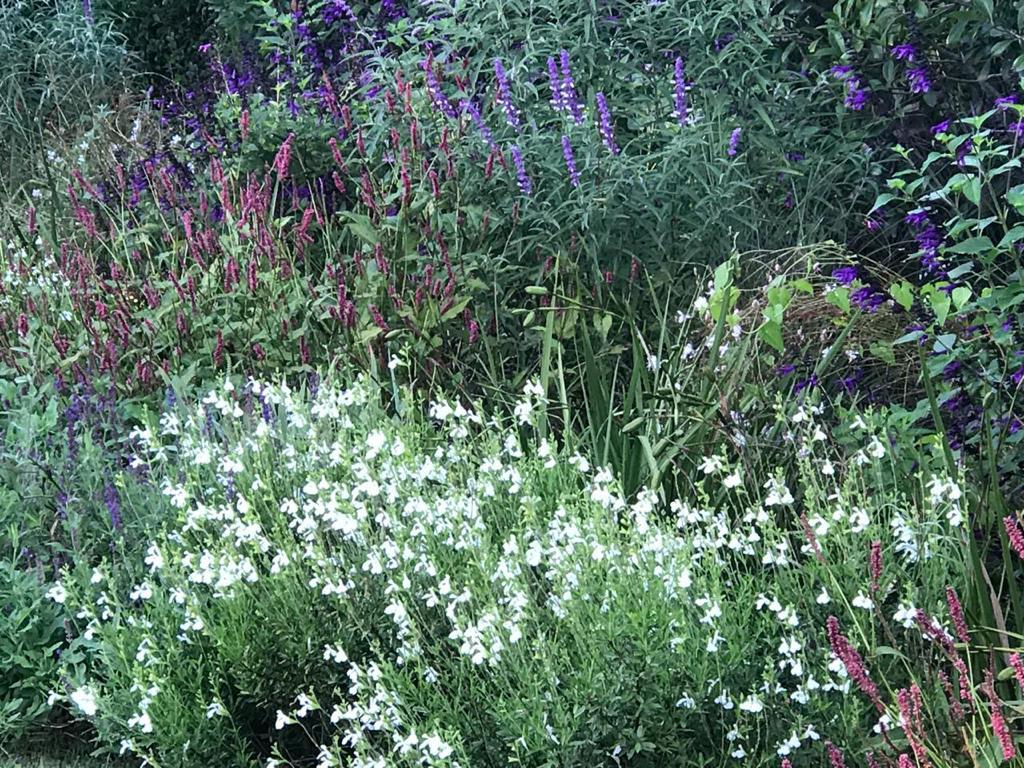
pixel 283 158
pixel 852 662
pixel 956 613
pixel 1014 534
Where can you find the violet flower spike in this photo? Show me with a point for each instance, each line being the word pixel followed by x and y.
pixel 570 101
pixel 555 84
pixel 570 162
pixel 605 123
pixel 734 142
pixel 504 97
pixel 522 178
pixel 680 92
pixel 471 109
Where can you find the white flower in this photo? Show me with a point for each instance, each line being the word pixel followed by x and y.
pixel 823 598
pixel 57 593
pixel 732 480
pixel 752 704
pixel 85 700
pixel 862 601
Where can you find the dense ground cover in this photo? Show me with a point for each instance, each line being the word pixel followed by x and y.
pixel 544 383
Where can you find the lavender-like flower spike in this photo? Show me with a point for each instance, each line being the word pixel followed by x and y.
pixel 441 102
pixel 505 94
pixel 570 101
pixel 87 11
pixel 525 185
pixel 570 161
pixel 556 85
pixel 734 142
pixel 113 503
pixel 680 83
pixel 605 123
pixel 471 109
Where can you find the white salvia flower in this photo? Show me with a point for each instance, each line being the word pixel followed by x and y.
pixel 823 598
pixel 827 468
pixel 862 601
pixel 686 702
pixel 711 464
pixel 215 709
pixel 282 720
pixel 752 704
pixel 905 615
pixel 732 480
pixel 875 448
pixel 153 558
pixel 57 593
pixel 85 700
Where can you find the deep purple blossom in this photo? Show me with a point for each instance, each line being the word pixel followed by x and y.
pixel 904 52
pixel 918 79
pixel 1003 102
pixel 942 127
pixel 868 299
pixel 844 275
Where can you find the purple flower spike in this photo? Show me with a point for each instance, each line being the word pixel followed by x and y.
pixel 505 94
pixel 734 142
pixel 113 503
pixel 555 84
pixel 570 101
pixel 680 84
pixel 605 124
pixel 471 109
pixel 525 185
pixel 570 162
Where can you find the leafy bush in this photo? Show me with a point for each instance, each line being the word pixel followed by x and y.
pixel 348 582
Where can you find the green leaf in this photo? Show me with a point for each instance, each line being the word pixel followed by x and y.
pixel 961 296
pixel 940 306
pixel 903 293
pixel 962 270
pixel 1015 197
pixel 1011 237
pixel 972 245
pixel 771 333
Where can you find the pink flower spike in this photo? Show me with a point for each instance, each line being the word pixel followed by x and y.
pixel 956 612
pixel 1018 668
pixel 1014 534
